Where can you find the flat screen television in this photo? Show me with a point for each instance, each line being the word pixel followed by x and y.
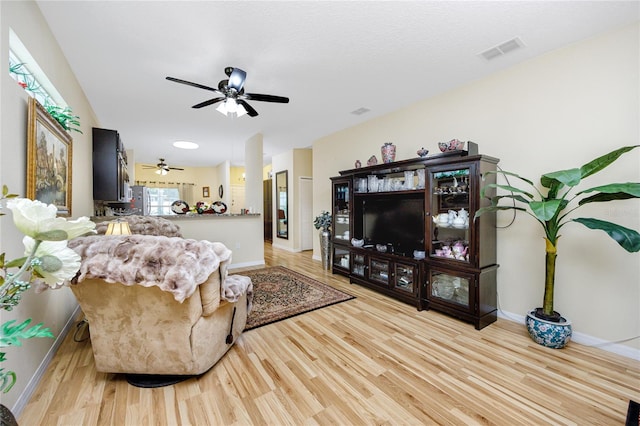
pixel 396 221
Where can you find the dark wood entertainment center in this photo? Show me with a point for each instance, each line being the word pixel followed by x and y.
pixel 416 238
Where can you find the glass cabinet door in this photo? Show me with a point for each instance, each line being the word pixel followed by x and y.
pixel 341 225
pixel 379 271
pixel 450 214
pixel 450 288
pixel 404 277
pixel 341 257
pixel 358 264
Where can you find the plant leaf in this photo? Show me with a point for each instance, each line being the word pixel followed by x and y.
pixel 7 380
pixel 545 210
pixel 600 163
pixel 495 200
pixel 570 177
pixel 490 209
pixel 627 238
pixel 10 335
pixel 504 187
pixel 631 188
pixel 504 172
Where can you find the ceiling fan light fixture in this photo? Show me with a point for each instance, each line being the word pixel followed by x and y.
pixel 162 172
pixel 232 105
pixel 222 108
pixel 240 111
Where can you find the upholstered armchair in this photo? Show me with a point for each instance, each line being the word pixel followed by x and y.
pixel 159 305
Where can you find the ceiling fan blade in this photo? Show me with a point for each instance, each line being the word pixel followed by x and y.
pixel 207 103
pixel 189 83
pixel 250 111
pixel 236 79
pixel 266 98
pixel 175 168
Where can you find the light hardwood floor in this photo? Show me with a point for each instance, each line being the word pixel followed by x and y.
pixel 370 360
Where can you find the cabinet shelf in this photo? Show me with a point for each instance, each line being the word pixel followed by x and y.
pixel 390 193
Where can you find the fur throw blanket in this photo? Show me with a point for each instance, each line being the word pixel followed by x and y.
pixel 145 225
pixel 174 264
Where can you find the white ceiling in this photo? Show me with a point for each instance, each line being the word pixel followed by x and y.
pixel 329 58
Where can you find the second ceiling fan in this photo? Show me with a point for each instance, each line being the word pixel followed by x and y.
pixel 234 99
pixel 162 167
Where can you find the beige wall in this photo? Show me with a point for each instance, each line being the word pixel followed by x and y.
pixel 242 234
pixel 555 112
pixel 54 308
pixel 298 163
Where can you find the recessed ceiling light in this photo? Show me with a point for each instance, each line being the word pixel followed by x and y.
pixel 185 145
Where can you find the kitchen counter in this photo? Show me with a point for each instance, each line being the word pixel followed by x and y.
pixel 242 233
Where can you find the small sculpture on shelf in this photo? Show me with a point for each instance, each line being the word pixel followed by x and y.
pixel 422 152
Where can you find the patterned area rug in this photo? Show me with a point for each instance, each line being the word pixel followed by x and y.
pixel 281 293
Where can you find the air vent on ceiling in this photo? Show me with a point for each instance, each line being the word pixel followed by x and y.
pixel 502 49
pixel 360 111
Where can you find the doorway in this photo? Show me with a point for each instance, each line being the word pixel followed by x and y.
pixel 267 208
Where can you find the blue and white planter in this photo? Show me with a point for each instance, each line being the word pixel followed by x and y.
pixel 551 334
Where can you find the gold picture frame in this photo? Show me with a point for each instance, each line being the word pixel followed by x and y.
pixel 49 155
pixel 205 191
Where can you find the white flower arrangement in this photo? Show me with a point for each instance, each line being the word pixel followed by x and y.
pixel 46 259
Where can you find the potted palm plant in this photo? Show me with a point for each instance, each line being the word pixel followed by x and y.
pixel 551 209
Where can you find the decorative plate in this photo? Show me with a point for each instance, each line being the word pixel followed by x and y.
pixel 372 161
pixel 179 207
pixel 219 207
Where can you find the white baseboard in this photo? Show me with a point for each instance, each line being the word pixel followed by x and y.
pixel 584 339
pixel 25 396
pixel 278 246
pixel 246 264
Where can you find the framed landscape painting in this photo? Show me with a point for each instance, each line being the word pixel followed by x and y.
pixel 49 153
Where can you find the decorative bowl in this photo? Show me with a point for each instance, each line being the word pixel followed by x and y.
pixel 381 248
pixel 357 243
pixel 452 145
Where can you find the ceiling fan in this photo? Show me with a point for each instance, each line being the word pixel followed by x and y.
pixel 162 167
pixel 234 99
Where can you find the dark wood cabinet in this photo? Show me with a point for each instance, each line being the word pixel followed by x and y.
pixel 110 175
pixel 421 244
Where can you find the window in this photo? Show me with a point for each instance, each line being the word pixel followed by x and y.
pixel 160 200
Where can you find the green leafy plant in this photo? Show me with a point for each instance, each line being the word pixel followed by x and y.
pixel 64 116
pixel 552 207
pixel 47 259
pixel 323 221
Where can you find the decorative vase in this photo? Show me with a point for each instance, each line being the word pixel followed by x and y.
pixel 388 151
pixel 6 417
pixel 325 248
pixel 555 335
